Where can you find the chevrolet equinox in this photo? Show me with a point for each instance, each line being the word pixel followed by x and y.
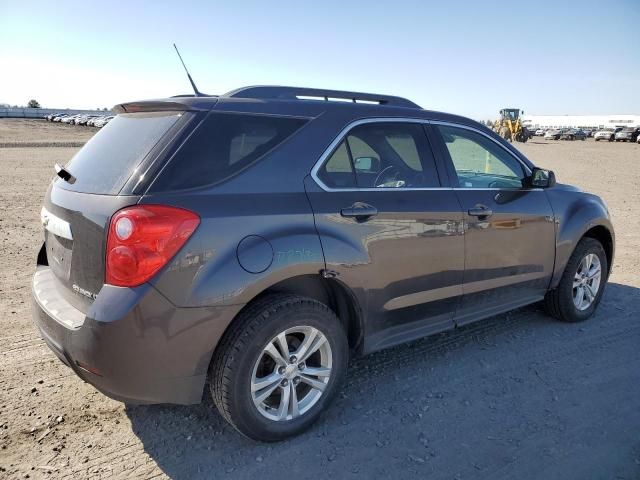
pixel 252 242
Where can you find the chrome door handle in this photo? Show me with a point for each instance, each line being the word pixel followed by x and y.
pixel 360 211
pixel 480 211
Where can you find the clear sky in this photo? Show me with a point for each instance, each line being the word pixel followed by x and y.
pixel 466 57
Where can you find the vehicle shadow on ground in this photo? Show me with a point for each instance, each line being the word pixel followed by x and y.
pixel 371 428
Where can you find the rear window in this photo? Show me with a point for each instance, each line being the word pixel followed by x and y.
pixel 223 145
pixel 107 161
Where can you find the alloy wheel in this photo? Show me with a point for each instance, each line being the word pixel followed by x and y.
pixel 291 373
pixel 586 281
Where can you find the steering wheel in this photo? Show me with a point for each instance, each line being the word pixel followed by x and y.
pixel 382 172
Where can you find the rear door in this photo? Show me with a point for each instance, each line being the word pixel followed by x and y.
pixel 509 227
pixel 389 229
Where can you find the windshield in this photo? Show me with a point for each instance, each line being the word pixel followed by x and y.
pixel 107 161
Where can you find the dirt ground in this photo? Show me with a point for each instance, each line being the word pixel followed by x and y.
pixel 27 133
pixel 516 396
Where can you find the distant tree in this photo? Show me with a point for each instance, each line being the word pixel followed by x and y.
pixel 33 104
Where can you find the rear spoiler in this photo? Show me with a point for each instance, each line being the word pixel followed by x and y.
pixel 153 106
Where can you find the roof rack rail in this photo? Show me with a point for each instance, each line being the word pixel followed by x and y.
pixel 300 93
pixel 185 95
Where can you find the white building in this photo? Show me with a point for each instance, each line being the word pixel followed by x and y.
pixel 591 121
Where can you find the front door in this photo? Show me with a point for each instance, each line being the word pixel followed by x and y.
pixel 389 231
pixel 509 227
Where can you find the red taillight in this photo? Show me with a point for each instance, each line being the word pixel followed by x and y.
pixel 142 239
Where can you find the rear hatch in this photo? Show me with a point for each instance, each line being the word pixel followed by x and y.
pixel 106 176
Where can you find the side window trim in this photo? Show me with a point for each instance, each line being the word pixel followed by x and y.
pixel 436 150
pixel 342 136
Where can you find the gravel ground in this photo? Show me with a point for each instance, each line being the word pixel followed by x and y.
pixel 515 396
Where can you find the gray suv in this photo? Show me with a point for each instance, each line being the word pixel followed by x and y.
pixel 253 242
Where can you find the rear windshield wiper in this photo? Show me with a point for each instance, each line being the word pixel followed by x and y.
pixel 64 174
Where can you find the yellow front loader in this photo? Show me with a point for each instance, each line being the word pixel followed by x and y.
pixel 509 126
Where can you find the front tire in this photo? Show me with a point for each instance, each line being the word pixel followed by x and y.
pixel 582 284
pixel 279 366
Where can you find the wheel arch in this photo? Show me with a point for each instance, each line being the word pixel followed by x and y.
pixel 333 293
pixel 604 236
pixel 580 220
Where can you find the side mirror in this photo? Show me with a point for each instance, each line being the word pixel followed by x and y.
pixel 542 178
pixel 366 164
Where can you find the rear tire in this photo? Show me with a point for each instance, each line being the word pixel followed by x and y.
pixel 565 302
pixel 250 362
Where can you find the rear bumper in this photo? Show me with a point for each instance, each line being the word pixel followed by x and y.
pixel 133 344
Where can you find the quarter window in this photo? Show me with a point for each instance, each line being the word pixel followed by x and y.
pixel 382 155
pixel 338 171
pixel 222 146
pixel 479 162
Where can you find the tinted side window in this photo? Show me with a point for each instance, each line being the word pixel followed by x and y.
pixel 406 147
pixel 382 155
pixel 222 146
pixel 392 155
pixel 337 172
pixel 479 162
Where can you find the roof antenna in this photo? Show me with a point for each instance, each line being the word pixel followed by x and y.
pixel 195 89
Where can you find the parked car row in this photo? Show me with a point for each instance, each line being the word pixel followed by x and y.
pixel 80 119
pixel 565 134
pixel 562 133
pixel 618 134
pixel 541 132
